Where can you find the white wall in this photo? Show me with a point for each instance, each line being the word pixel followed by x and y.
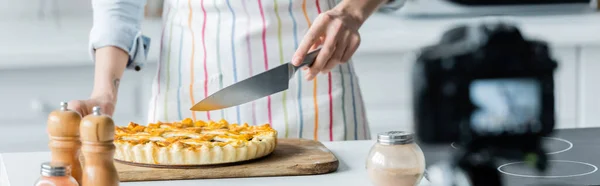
pixel 32 9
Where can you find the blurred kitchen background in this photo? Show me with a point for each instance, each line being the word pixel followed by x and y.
pixel 44 60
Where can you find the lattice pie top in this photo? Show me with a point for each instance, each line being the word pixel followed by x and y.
pixel 192 135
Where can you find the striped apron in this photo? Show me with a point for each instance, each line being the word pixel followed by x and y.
pixel 207 45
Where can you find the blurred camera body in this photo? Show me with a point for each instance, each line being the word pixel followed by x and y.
pixel 489 90
pixel 483 81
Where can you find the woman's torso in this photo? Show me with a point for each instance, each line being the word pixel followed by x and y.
pixel 209 44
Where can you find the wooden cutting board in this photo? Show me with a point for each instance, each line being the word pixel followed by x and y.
pixel 291 157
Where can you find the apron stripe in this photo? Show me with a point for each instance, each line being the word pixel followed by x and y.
pixel 218 54
pixel 331 4
pixel 237 108
pixel 264 43
pixel 300 116
pixel 283 99
pixel 330 97
pixel 249 51
pixel 315 87
pixel 314 81
pixel 353 103
pixel 305 13
pixel 192 58
pixel 166 104
pixel 179 74
pixel 316 105
pixel 204 56
pixel 330 110
pixel 162 37
pixel 343 101
pixel 363 115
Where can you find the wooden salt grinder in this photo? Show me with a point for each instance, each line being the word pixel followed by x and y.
pixel 63 131
pixel 97 135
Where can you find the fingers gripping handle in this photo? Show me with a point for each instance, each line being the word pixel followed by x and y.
pixel 309 59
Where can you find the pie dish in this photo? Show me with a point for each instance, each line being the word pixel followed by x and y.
pixel 187 142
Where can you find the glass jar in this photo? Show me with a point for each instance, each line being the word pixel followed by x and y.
pixel 395 160
pixel 56 174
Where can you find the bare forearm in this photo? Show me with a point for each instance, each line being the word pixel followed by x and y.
pixel 110 65
pixel 360 9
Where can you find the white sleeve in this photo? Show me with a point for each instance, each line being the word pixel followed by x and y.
pixel 392 5
pixel 118 23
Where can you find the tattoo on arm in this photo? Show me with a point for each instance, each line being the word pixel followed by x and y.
pixel 116 83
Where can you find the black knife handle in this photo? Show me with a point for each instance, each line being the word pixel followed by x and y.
pixel 309 59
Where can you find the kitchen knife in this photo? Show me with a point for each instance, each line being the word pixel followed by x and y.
pixel 258 86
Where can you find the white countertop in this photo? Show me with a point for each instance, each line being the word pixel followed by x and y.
pixel 20 169
pixel 39 43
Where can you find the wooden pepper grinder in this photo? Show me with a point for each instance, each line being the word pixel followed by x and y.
pixel 63 131
pixel 97 135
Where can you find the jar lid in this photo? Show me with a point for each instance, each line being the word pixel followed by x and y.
pixel 395 137
pixel 55 169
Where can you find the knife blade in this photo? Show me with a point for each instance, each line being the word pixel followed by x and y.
pixel 258 86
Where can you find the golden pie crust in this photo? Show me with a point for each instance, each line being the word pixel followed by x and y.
pixel 193 143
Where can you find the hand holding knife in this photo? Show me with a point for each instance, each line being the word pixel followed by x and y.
pixel 261 85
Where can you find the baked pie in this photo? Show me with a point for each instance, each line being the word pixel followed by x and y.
pixel 193 143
